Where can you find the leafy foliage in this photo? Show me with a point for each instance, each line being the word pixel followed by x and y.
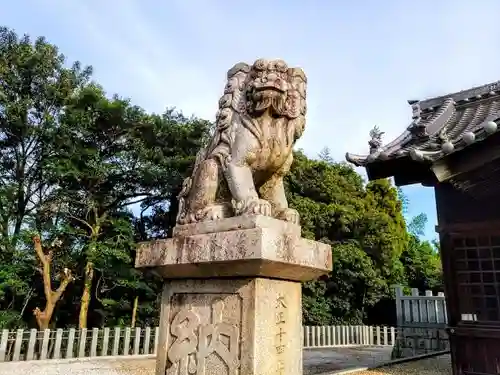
pixel 75 167
pixel 421 259
pixel 367 232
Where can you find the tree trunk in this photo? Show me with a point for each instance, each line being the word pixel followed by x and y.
pixel 43 317
pixel 51 297
pixel 85 300
pixel 95 229
pixel 134 311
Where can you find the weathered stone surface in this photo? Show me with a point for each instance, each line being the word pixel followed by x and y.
pixel 235 223
pixel 261 115
pixel 230 327
pixel 271 249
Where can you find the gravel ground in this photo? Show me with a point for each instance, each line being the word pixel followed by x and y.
pixel 430 366
pixel 321 361
pixel 120 366
pixel 316 362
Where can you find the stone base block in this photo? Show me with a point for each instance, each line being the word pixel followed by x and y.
pixel 242 246
pixel 230 327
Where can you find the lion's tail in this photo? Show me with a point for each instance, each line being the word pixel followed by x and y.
pixel 187 184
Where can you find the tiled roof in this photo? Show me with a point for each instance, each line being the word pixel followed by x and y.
pixel 440 126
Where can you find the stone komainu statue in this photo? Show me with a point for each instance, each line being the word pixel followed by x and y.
pixel 241 170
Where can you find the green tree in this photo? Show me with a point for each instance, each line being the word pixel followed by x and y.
pixel 384 235
pixel 35 85
pixel 114 156
pixel 417 225
pixel 92 172
pixel 325 155
pixel 421 259
pixel 364 227
pixel 404 199
pixel 343 298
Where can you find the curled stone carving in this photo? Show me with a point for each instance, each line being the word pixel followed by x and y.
pixel 195 341
pixel 261 115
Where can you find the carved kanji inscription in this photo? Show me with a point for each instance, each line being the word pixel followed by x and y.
pixel 204 335
pixel 280 344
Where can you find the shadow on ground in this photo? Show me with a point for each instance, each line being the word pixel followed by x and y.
pixel 430 366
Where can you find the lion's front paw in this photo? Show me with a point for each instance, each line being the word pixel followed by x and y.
pixel 260 207
pixel 253 207
pixel 212 212
pixel 290 215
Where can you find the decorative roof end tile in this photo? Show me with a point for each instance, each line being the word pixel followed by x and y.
pixel 375 141
pixel 456 121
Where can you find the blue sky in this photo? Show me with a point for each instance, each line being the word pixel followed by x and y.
pixel 363 58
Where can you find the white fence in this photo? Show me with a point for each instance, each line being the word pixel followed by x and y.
pixel 25 345
pixel 334 336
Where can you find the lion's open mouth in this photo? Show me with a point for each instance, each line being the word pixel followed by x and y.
pixel 269 87
pixel 271 99
pixel 265 94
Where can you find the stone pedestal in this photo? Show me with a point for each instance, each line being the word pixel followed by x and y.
pixel 232 297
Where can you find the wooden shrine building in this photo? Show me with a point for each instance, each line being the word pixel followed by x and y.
pixel 453 145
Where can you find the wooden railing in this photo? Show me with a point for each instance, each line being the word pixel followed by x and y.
pixel 26 345
pixel 421 323
pixel 420 310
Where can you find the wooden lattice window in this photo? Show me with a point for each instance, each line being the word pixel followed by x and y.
pixel 477 267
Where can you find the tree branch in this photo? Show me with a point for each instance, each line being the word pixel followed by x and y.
pixel 81 221
pixel 97 289
pixel 125 204
pixel 66 278
pixel 125 197
pixel 51 297
pixel 26 300
pixel 45 261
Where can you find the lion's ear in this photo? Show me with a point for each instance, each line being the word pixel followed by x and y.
pixel 298 83
pixel 234 92
pixel 297 74
pixel 240 67
pixel 293 104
